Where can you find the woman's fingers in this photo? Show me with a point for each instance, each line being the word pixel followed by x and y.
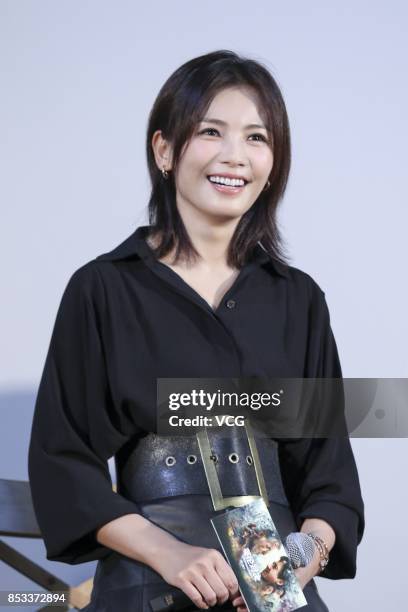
pixel 226 574
pixel 190 590
pixel 202 573
pixel 239 603
pixel 207 593
pixel 211 587
pixel 221 589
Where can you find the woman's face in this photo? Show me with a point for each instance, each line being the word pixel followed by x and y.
pixel 233 147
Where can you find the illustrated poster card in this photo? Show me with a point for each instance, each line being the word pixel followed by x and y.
pixel 252 545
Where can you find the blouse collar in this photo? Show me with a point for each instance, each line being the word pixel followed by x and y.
pixel 135 245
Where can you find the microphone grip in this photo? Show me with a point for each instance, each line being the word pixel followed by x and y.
pixel 172 600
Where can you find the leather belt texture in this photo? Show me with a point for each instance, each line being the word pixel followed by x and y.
pixel 158 466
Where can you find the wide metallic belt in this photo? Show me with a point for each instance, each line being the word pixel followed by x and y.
pixel 235 467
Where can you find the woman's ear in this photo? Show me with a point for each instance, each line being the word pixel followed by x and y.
pixel 162 151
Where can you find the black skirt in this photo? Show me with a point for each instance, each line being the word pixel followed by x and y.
pixel 121 583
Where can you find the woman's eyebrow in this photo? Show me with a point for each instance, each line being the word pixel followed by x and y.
pixel 221 122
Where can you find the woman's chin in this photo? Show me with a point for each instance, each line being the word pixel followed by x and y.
pixel 224 213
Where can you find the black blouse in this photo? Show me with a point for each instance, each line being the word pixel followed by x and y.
pixel 126 319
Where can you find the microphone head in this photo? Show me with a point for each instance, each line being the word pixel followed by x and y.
pixel 300 548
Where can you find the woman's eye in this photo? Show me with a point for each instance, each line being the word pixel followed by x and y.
pixel 208 130
pixel 261 136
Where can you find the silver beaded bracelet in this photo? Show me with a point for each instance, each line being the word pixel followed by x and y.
pixel 323 551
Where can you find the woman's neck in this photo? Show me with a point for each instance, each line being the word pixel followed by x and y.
pixel 210 241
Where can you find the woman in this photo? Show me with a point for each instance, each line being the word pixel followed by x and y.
pixel 203 291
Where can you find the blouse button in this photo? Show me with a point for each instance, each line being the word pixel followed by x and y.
pixel 231 304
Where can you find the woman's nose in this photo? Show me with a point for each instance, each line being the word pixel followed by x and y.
pixel 233 150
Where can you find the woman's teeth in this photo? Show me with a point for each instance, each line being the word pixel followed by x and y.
pixel 227 181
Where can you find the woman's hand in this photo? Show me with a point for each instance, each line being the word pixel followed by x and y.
pixel 240 604
pixel 201 573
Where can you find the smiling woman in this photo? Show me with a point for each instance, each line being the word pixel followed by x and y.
pixel 223 117
pixel 203 291
pixel 204 168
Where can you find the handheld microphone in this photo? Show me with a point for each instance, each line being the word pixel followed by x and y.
pixel 300 548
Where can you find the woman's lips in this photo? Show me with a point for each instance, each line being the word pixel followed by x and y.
pixel 229 190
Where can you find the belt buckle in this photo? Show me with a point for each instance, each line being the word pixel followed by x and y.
pixel 220 502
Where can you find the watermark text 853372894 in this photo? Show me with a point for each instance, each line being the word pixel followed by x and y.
pixel 29 598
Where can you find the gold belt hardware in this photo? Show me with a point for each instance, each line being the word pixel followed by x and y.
pixel 220 502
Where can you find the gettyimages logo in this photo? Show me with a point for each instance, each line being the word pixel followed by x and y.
pixel 208 400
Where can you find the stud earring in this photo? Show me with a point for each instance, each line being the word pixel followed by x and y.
pixel 165 173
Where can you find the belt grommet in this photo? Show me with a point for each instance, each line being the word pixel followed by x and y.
pixel 191 459
pixel 170 461
pixel 249 460
pixel 214 458
pixel 233 457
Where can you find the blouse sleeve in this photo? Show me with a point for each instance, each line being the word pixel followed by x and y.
pixel 75 430
pixel 319 474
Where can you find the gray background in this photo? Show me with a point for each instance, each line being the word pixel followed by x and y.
pixel 78 81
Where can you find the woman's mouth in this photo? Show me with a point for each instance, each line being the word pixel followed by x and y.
pixel 227 189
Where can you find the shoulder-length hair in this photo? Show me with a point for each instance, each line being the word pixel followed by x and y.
pixel 180 105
